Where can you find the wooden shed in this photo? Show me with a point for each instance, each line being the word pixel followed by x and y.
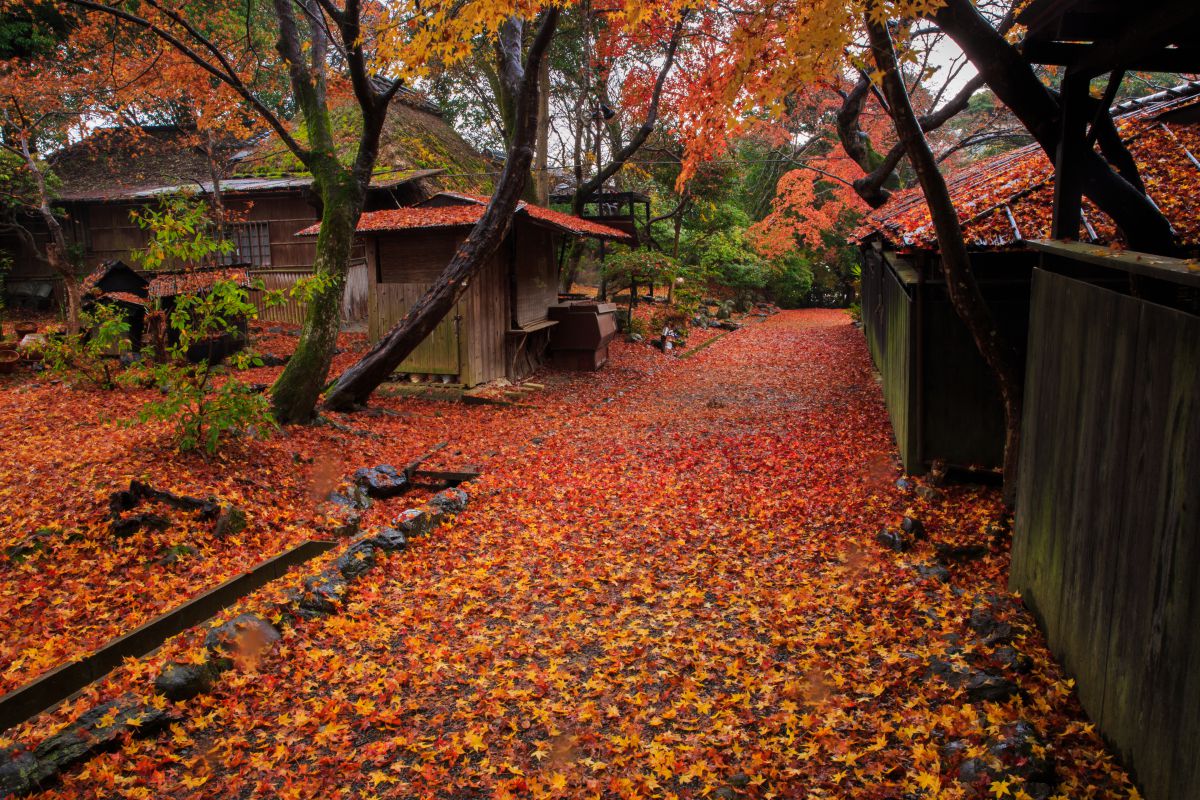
pixel 942 398
pixel 500 327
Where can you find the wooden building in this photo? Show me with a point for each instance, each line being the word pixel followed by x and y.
pixel 1106 541
pixel 942 398
pixel 500 328
pixel 265 192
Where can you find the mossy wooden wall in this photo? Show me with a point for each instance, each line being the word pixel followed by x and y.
pixel 1107 537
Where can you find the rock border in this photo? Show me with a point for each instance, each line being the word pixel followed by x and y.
pixel 24 769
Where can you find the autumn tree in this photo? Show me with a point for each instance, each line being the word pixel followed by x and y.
pixel 357 383
pixel 328 51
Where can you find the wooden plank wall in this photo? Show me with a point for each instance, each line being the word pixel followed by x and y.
pixel 472 347
pixel 537 274
pixel 1107 542
pixel 888 318
pixel 439 353
pixel 292 311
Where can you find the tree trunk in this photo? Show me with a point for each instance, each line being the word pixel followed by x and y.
pixel 541 175
pixel 57 253
pixel 964 291
pixel 298 388
pixel 357 383
pixel 1014 82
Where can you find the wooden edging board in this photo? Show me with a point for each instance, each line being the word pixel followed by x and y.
pixel 62 682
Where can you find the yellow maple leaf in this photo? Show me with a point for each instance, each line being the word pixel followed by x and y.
pixel 999 788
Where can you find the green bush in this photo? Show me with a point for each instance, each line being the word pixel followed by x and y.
pixel 93 353
pixel 791 281
pixel 203 407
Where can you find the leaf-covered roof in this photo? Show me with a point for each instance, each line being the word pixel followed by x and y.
pixel 467 209
pixel 1008 199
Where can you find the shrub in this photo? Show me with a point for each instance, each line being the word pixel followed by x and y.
pixel 93 353
pixel 203 407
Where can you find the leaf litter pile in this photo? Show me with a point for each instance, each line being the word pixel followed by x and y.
pixel 669 583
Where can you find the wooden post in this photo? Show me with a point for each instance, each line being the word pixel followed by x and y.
pixel 1068 169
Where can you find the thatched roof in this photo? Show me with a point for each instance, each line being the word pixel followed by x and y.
pixel 136 163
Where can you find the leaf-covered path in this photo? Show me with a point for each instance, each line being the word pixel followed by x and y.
pixel 679 594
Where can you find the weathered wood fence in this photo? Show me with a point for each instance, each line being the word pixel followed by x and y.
pixel 1107 538
pixel 887 313
pixel 354 300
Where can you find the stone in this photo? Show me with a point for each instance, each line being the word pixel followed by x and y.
pixel 987 687
pixel 322 594
pixel 352 498
pixel 1013 659
pixel 450 501
pixel 739 780
pixel 729 325
pixel 356 559
pixel 893 540
pixel 973 771
pixel 959 552
pixel 246 636
pixel 381 482
pixel 933 571
pixel 349 526
pixel 725 793
pixel 913 527
pixel 18 771
pixel 931 494
pixel 636 338
pixel 184 681
pixel 99 729
pixel 389 540
pixel 176 553
pixel 413 522
pixel 231 521
pixel 272 360
pixel 904 484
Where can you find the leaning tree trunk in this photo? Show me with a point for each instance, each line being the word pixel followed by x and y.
pixel 357 383
pixel 964 291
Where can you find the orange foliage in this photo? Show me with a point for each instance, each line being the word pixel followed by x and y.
pixel 666 586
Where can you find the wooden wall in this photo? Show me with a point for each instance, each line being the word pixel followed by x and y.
pixel 536 273
pixel 469 342
pixel 888 313
pixel 1107 538
pixel 293 311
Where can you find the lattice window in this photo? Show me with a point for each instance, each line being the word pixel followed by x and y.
pixel 253 244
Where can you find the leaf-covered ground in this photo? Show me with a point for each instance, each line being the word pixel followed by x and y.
pixel 667 585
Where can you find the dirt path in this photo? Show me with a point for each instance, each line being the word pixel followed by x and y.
pixel 677 595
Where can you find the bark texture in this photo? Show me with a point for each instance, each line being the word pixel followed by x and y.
pixel 357 383
pixel 964 291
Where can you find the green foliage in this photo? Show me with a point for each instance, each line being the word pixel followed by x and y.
pixel 32 29
pixel 203 407
pixel 641 267
pixel 791 280
pixel 181 231
pixel 92 354
pixel 204 402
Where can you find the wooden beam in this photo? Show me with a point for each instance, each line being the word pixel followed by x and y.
pixel 1097 58
pixel 1174 270
pixel 59 684
pixel 1068 166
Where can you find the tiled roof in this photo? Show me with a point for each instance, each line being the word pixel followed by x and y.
pixel 124 297
pixel 169 284
pixel 1005 200
pixel 468 213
